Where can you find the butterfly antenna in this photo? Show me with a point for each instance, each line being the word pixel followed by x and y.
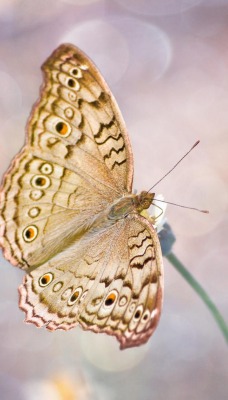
pixel 179 205
pixel 174 167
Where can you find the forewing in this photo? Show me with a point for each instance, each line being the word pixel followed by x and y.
pixel 76 98
pixel 77 159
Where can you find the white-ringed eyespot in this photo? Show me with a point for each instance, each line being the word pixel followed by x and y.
pixel 138 313
pixel 76 72
pixel 111 298
pixel 74 297
pixel 63 128
pixel 46 279
pixel 40 181
pixel 30 233
pixel 46 168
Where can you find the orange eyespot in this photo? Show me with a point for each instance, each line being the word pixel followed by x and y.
pixel 46 279
pixel 30 233
pixel 62 128
pixel 74 297
pixel 40 181
pixel 110 299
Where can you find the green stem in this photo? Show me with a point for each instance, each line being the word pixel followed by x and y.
pixel 201 292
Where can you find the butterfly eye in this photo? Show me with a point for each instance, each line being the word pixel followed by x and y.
pixel 111 298
pixel 30 233
pixel 46 279
pixel 74 297
pixel 62 128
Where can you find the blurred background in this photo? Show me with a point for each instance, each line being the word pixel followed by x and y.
pixel 167 64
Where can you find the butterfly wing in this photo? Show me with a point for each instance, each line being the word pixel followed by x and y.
pixel 109 282
pixel 77 159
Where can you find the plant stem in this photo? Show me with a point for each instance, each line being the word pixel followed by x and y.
pixel 201 292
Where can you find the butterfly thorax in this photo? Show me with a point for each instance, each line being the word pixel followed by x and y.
pixel 129 204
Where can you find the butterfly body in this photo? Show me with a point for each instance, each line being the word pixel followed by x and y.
pixel 68 217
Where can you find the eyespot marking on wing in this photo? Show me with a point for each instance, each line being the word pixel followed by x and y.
pixel 69 112
pixel 30 233
pixel 57 286
pixel 63 128
pixel 111 298
pixel 40 181
pixel 46 279
pixel 46 168
pixel 146 316
pixel 76 72
pixel 73 83
pixel 34 212
pixel 122 301
pixel 74 297
pixel 36 194
pixel 138 313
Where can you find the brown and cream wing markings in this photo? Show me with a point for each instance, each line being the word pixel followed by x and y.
pixel 110 283
pixel 67 163
pixel 67 215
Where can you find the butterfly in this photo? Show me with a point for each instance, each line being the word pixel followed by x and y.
pixel 68 216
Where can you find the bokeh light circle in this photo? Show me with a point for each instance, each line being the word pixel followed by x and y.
pixel 104 44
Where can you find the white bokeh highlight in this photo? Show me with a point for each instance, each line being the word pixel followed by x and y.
pixel 113 60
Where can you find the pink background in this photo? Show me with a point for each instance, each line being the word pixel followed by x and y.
pixel 167 65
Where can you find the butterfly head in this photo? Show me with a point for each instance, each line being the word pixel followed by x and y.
pixel 143 201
